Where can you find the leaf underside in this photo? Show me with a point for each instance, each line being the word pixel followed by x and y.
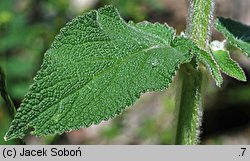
pixel 97 66
pixel 236 33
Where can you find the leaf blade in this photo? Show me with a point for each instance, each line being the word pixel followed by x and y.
pixel 206 58
pixel 236 33
pixel 228 65
pixel 96 67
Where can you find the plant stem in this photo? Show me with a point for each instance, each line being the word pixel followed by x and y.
pixel 9 103
pixel 199 21
pixel 189 104
pixel 193 76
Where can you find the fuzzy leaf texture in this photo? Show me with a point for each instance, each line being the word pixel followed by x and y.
pixel 228 65
pixel 206 58
pixel 97 66
pixel 236 33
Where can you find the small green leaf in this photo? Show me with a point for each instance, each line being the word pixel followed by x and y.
pixel 236 33
pixel 97 66
pixel 206 58
pixel 228 65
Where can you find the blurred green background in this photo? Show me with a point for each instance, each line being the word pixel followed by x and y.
pixel 28 27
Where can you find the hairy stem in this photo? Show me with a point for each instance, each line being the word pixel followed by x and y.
pixel 189 104
pixel 199 21
pixel 193 76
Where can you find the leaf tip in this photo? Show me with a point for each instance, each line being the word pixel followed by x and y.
pixel 243 79
pixel 219 83
pixel 8 136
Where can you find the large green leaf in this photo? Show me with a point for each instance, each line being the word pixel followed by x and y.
pixel 236 33
pixel 97 66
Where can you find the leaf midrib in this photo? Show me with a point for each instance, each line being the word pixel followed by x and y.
pixel 115 67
